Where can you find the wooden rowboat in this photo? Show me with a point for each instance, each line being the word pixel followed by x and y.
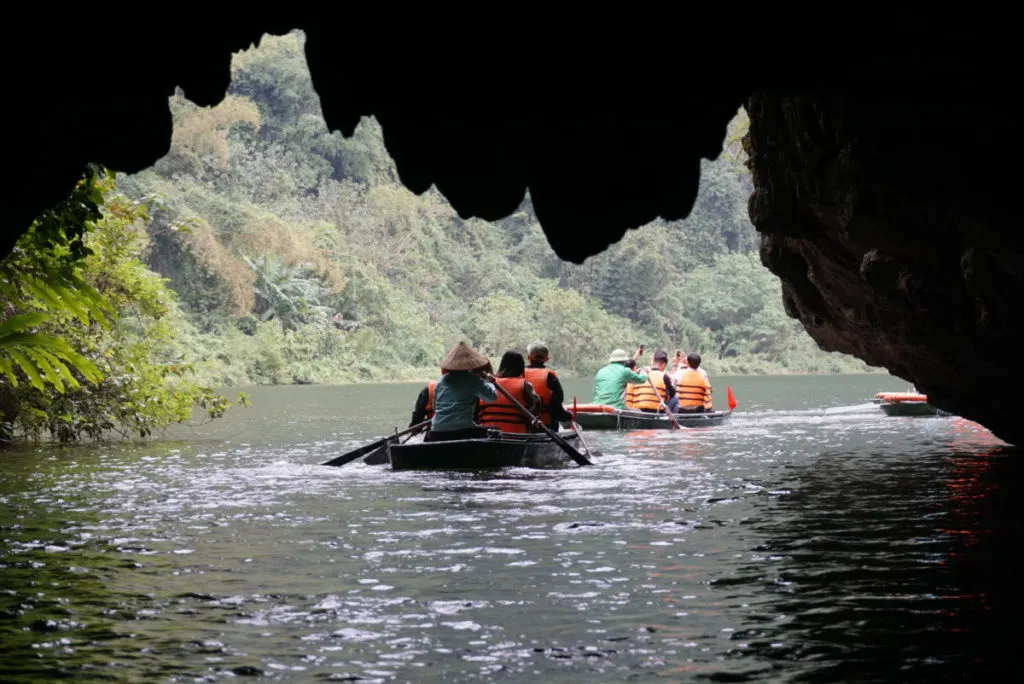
pixel 597 417
pixel 498 450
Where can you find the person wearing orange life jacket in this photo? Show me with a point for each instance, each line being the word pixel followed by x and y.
pixel 694 387
pixel 681 367
pixel 630 397
pixel 650 399
pixel 424 408
pixel 546 384
pixel 502 414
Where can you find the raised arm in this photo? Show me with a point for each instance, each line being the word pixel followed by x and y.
pixel 636 378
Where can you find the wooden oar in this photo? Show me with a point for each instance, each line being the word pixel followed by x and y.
pixel 579 431
pixel 363 451
pixel 566 447
pixel 675 423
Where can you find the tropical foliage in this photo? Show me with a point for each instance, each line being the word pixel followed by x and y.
pixel 88 334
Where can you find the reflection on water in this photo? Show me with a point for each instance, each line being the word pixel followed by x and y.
pixel 785 545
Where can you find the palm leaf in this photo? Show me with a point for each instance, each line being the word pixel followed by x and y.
pixel 61 368
pixel 71 302
pixel 21 322
pixel 27 367
pixel 43 363
pixel 38 288
pixel 7 368
pixel 15 344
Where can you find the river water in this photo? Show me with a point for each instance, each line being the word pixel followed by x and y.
pixel 790 544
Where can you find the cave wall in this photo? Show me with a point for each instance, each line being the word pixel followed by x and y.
pixel 888 221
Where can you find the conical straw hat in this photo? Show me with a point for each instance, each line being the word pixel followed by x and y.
pixel 462 357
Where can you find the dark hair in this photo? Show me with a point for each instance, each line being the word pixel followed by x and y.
pixel 631 363
pixel 693 360
pixel 512 365
pixel 661 355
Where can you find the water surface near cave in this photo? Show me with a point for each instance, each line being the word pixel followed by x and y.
pixel 789 544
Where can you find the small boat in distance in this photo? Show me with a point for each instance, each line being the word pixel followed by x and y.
pixel 907 404
pixel 601 417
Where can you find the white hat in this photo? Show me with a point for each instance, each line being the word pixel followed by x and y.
pixel 619 355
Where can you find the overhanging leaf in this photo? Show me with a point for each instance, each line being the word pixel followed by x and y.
pixel 48 372
pixel 21 322
pixel 27 367
pixel 7 368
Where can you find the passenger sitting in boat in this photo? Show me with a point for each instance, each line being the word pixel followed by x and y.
pixel 547 386
pixel 679 367
pixel 650 399
pixel 500 413
pixel 694 388
pixel 457 394
pixel 424 408
pixel 610 382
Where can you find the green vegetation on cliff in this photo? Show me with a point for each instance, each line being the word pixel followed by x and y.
pixel 299 257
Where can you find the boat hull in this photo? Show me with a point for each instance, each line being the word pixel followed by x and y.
pixel 501 450
pixel 639 420
pixel 911 408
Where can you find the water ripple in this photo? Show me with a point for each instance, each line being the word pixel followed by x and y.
pixel 789 545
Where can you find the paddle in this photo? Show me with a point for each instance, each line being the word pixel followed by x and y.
pixel 579 431
pixel 732 398
pixel 566 447
pixel 851 409
pixel 675 423
pixel 363 451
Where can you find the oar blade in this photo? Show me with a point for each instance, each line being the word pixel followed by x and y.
pixel 857 408
pixel 373 446
pixel 358 453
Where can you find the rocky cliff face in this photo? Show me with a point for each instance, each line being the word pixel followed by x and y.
pixel 888 221
pixel 886 212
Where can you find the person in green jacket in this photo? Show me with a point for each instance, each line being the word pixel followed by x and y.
pixel 610 382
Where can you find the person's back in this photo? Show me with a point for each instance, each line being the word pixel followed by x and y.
pixel 457 393
pixel 694 389
pixel 502 413
pixel 455 401
pixel 547 386
pixel 610 382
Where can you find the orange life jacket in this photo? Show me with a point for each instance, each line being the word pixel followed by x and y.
pixel 631 395
pixel 501 413
pixel 646 398
pixel 431 387
pixel 538 377
pixel 693 390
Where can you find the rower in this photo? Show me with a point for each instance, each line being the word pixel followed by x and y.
pixel 610 382
pixel 501 413
pixel 547 386
pixel 457 393
pixel 650 399
pixel 694 388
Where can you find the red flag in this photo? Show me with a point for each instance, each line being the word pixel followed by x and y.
pixel 732 398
